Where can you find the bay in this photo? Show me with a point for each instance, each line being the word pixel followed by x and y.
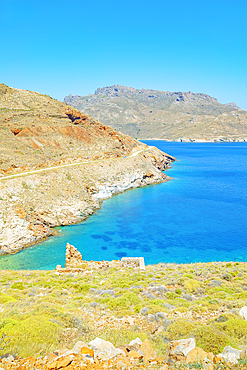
pixel 200 215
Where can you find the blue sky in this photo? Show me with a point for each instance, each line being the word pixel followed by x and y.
pixel 74 47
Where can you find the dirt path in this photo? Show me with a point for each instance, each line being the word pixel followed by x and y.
pixel 66 165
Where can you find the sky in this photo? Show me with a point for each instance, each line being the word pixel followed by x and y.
pixel 73 47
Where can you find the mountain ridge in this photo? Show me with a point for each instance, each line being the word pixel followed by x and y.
pixel 165 115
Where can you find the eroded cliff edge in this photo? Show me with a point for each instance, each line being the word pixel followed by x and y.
pixel 57 164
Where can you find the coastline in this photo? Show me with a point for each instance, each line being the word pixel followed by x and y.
pixel 115 230
pixel 65 196
pixel 196 140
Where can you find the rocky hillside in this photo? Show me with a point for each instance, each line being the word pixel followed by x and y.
pixel 185 116
pixel 37 131
pixel 56 164
pixel 190 316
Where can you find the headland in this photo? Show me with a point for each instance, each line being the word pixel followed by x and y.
pixel 57 165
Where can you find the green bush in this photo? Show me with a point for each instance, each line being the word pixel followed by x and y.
pixel 178 291
pixel 181 328
pixel 35 335
pixel 211 339
pixel 235 328
pixel 18 285
pixel 191 285
pixel 5 298
pixel 171 295
pixel 126 301
pixel 84 288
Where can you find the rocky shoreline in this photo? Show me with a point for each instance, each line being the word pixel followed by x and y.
pixel 31 206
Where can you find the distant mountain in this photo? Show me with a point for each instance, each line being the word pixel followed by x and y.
pixel 182 116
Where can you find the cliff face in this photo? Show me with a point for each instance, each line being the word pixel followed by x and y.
pixel 57 164
pixel 185 116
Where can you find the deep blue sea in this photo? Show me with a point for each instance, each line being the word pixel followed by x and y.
pixel 198 216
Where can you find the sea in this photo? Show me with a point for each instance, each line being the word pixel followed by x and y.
pixel 200 215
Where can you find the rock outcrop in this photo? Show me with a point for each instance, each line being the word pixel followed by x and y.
pixel 243 312
pixel 101 354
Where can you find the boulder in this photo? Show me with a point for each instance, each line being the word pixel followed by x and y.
pixel 87 351
pixel 144 310
pixel 135 341
pixel 94 304
pixel 243 312
pixel 215 283
pixel 10 358
pixel 134 354
pixel 104 350
pixel 230 354
pixel 196 355
pixel 181 347
pixel 121 365
pixel 148 351
pixel 60 352
pixel 60 362
pixel 169 306
pixel 107 291
pixel 162 289
pixel 134 345
pixel 78 346
pixel 188 297
pixel 50 356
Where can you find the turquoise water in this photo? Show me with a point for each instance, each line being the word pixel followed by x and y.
pixel 200 215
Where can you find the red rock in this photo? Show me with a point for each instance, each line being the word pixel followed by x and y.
pixel 87 351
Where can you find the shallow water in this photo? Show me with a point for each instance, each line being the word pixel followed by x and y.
pixel 200 215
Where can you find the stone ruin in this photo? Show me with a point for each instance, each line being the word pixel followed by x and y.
pixel 73 258
pixel 133 262
pixel 75 264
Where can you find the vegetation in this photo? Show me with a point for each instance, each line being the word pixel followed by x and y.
pixel 42 311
